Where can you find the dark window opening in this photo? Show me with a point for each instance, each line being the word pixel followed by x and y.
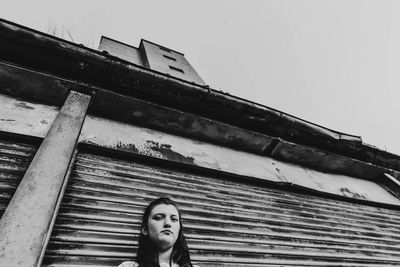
pixel 170 58
pixel 176 69
pixel 165 49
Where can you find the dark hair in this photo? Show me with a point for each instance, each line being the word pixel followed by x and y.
pixel 147 255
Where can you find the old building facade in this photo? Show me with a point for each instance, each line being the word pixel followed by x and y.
pixel 89 137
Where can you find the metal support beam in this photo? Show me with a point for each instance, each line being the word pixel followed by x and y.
pixel 26 221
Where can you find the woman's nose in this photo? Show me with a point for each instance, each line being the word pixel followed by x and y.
pixel 167 223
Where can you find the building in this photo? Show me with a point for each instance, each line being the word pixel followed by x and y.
pixel 89 137
pixel 153 56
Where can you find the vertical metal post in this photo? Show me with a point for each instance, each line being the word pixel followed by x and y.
pixel 25 223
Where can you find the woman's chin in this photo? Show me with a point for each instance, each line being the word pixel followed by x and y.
pixel 166 243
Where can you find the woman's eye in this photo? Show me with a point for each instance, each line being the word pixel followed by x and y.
pixel 174 219
pixel 157 218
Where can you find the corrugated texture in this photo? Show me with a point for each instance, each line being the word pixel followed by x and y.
pixel 15 158
pixel 227 223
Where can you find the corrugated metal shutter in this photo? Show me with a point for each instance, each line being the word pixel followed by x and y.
pixel 227 223
pixel 15 158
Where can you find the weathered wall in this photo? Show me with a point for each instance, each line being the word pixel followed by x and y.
pixel 32 119
pixel 148 142
pixel 259 223
pixel 23 117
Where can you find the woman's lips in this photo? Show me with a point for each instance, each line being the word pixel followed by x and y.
pixel 167 231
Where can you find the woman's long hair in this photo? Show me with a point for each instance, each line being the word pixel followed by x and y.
pixel 147 254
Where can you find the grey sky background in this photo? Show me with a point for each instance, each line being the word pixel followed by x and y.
pixel 335 63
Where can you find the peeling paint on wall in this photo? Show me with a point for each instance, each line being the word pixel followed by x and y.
pixel 156 144
pixel 126 147
pixel 25 118
pixel 23 105
pixel 347 193
pixel 168 153
pixel 148 142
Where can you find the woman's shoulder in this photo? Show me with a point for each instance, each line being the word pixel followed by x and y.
pixel 128 264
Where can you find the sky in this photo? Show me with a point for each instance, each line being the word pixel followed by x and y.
pixel 335 63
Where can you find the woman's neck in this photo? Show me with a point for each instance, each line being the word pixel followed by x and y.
pixel 165 256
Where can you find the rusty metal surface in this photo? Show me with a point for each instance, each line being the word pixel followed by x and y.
pixel 148 142
pixel 15 157
pixel 227 223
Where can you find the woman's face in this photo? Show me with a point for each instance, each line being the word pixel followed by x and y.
pixel 163 226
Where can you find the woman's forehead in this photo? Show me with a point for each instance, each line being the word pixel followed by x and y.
pixel 164 209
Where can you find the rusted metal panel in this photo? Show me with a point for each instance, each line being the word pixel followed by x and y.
pixel 227 222
pixel 15 157
pixel 23 117
pixel 25 223
pixel 148 142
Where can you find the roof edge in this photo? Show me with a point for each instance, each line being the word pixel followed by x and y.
pixel 33 49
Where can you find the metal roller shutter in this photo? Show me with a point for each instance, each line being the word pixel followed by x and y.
pixel 227 223
pixel 15 158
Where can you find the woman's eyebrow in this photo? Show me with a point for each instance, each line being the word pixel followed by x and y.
pixel 165 214
pixel 158 214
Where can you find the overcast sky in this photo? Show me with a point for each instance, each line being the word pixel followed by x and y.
pixel 335 63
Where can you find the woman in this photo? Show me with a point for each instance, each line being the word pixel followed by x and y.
pixel 161 240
